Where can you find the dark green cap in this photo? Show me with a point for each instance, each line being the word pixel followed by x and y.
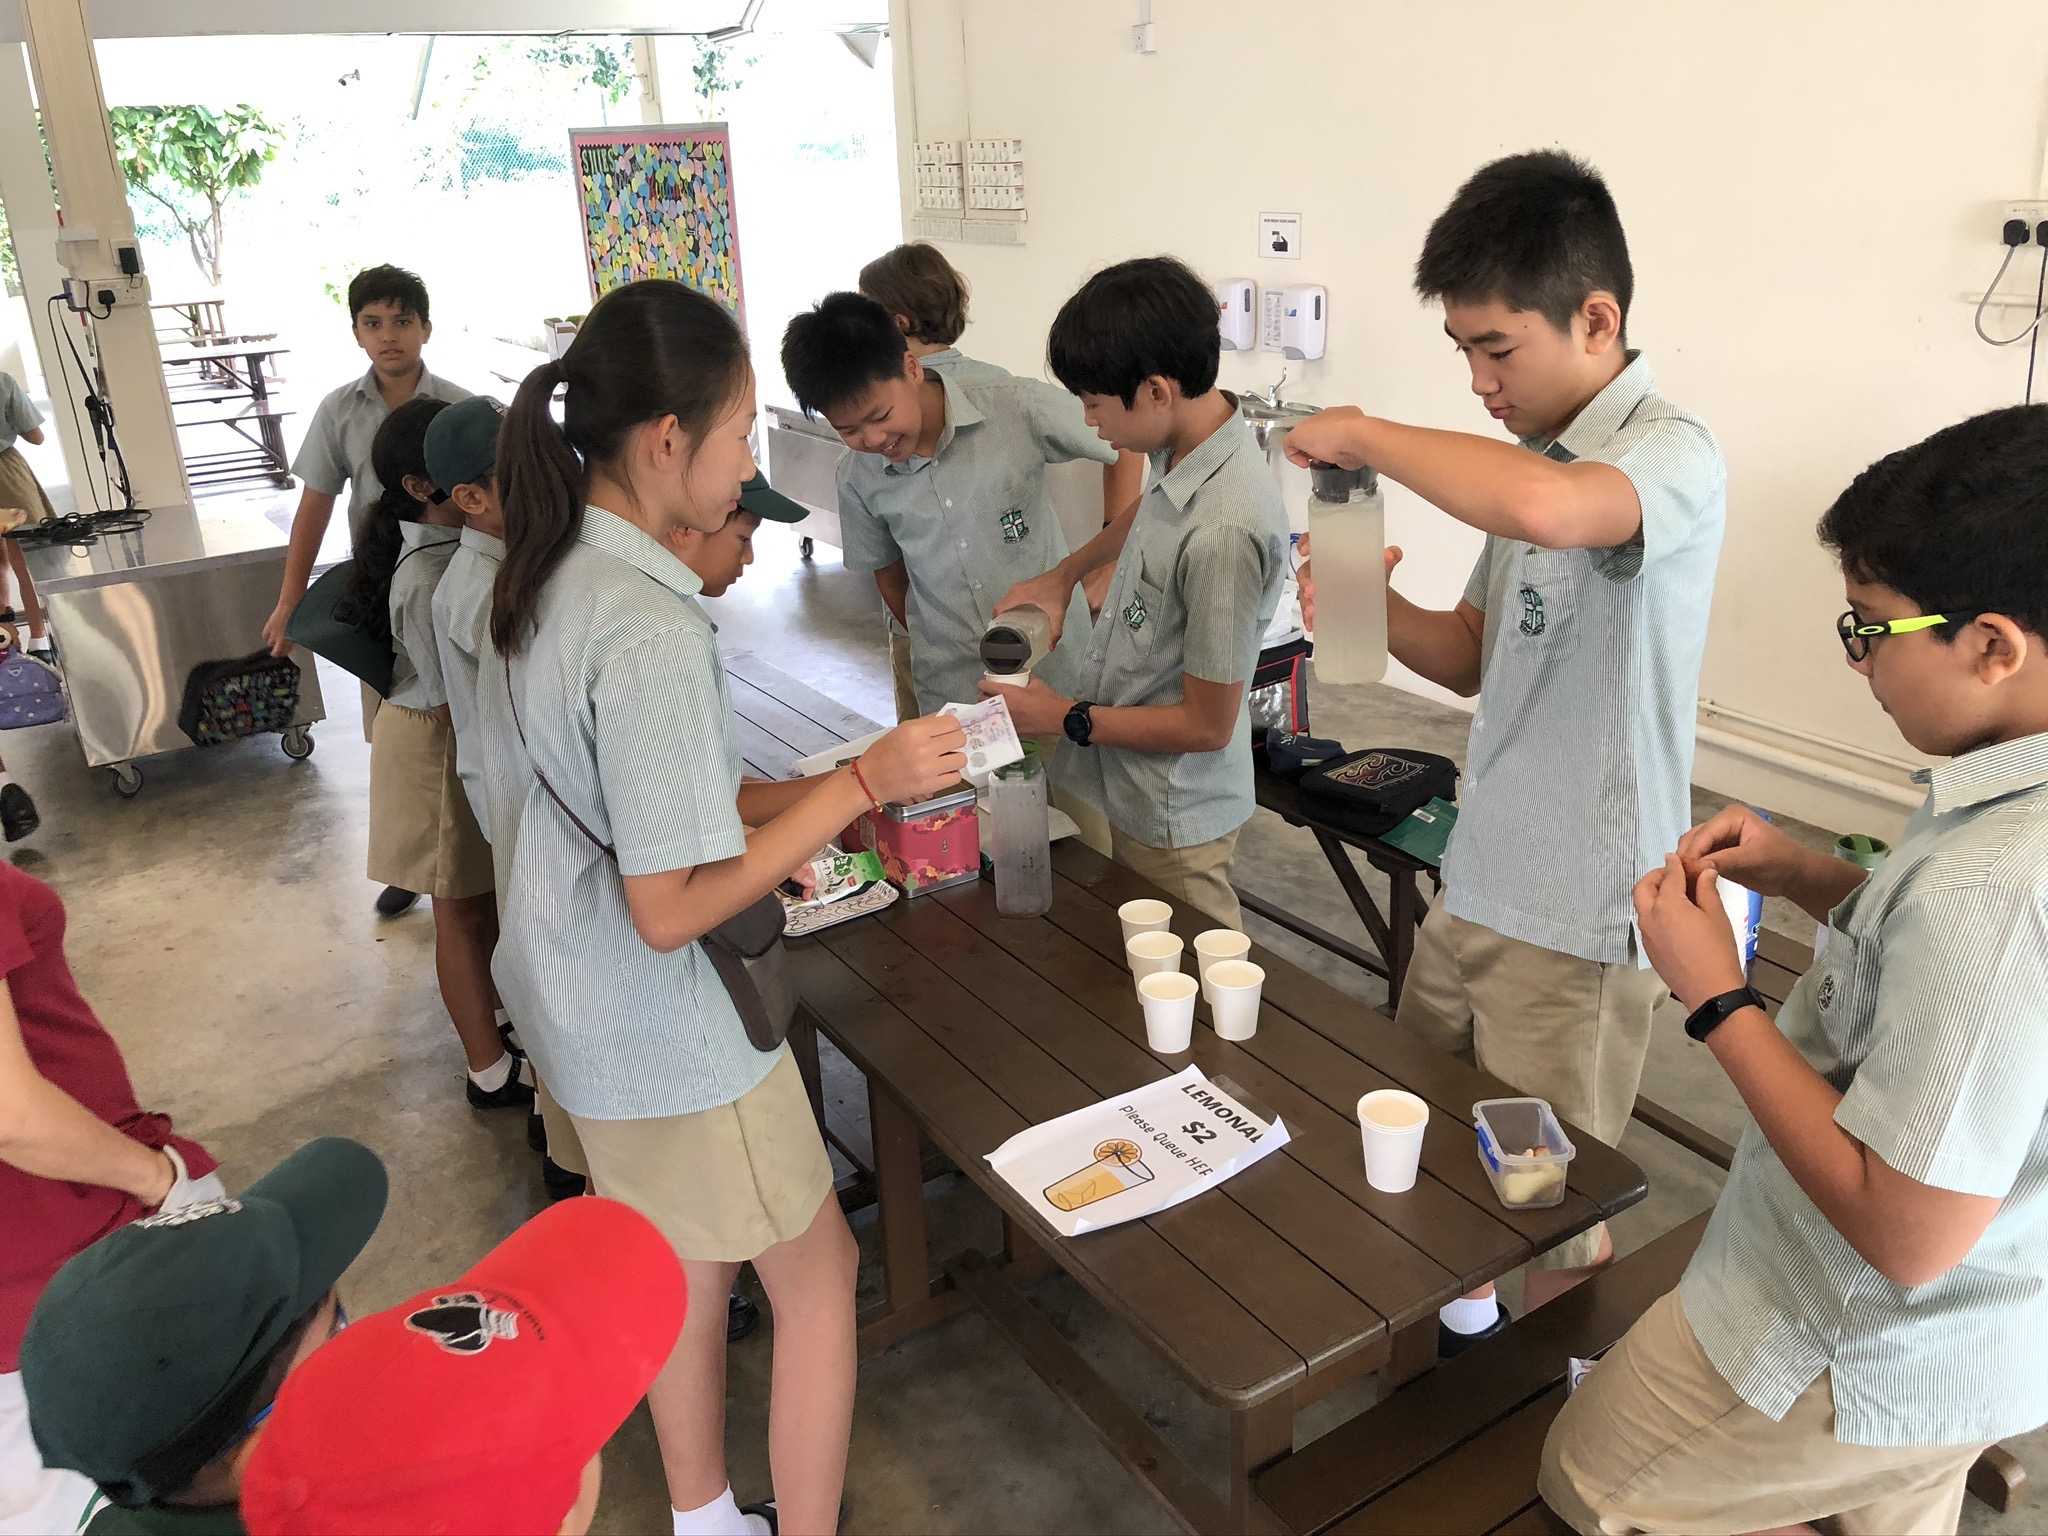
pixel 767 503
pixel 462 442
pixel 143 1355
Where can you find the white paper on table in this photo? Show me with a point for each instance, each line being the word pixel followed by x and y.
pixel 1136 1154
pixel 835 757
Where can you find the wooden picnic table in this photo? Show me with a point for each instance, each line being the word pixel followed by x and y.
pixel 230 389
pixel 200 320
pixel 1286 1283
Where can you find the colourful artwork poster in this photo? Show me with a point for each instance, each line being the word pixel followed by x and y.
pixel 658 202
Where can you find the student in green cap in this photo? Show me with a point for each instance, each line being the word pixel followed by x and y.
pixel 153 1358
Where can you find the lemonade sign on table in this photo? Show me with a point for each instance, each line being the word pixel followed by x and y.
pixel 658 202
pixel 1135 1154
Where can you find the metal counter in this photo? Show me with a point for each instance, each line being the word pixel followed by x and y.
pixel 134 613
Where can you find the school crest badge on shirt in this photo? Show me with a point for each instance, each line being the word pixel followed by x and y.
pixel 1533 621
pixel 1135 613
pixel 1015 529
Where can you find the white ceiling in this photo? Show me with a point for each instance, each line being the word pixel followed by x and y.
pixel 215 18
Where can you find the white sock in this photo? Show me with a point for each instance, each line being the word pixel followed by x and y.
pixel 496 1075
pixel 721 1517
pixel 1470 1314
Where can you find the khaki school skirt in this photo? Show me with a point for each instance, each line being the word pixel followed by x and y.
pixel 21 494
pixel 423 835
pixel 724 1184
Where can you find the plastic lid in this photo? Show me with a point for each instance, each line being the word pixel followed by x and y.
pixel 1005 648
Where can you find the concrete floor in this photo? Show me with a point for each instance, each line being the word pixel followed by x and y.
pixel 222 926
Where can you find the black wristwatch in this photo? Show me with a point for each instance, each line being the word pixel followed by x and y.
pixel 1711 1014
pixel 1081 722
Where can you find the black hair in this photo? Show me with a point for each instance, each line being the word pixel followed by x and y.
pixel 647 350
pixel 917 282
pixel 1958 523
pixel 378 285
pixel 204 1445
pixel 399 449
pixel 1537 231
pixel 1131 321
pixel 832 353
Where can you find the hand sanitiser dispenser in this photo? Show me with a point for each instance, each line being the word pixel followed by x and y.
pixel 1237 319
pixel 1304 320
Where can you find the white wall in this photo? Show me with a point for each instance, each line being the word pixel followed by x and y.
pixel 1808 188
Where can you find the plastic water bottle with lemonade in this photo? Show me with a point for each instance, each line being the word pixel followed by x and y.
pixel 1347 527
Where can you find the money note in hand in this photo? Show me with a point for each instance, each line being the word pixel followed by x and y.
pixel 991 737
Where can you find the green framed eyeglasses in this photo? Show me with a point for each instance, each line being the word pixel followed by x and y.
pixel 1856 636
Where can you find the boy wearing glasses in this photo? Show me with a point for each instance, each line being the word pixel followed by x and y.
pixel 1863 1314
pixel 1581 631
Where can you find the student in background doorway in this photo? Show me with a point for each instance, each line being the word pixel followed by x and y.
pixel 1158 707
pixel 944 497
pixel 388 315
pixel 1581 632
pixel 423 834
pixel 1863 1315
pixel 636 805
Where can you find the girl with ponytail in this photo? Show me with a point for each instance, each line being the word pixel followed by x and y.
pixel 423 835
pixel 633 843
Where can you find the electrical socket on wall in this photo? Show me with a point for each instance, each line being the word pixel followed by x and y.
pixel 2029 213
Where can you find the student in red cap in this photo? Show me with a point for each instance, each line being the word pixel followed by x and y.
pixel 482 1406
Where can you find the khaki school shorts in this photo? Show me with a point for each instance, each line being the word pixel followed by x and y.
pixel 1565 1029
pixel 1197 876
pixel 724 1184
pixel 423 835
pixel 1654 1441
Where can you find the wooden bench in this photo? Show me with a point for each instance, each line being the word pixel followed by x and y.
pixel 1997 1478
pixel 1457 1449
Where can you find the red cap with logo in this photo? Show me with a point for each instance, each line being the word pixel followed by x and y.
pixel 475 1406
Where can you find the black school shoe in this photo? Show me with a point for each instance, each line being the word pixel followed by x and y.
pixel 1450 1343
pixel 559 1182
pixel 394 899
pixel 766 1512
pixel 18 814
pixel 742 1317
pixel 514 1095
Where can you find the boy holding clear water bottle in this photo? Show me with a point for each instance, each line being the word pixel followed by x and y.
pixel 1581 631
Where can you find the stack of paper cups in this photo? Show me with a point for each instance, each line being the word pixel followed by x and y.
pixel 1392 1121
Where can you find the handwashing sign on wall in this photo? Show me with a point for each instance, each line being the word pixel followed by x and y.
pixel 1135 1154
pixel 1280 236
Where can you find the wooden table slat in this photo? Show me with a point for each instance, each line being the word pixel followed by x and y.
pixel 1782 951
pixel 768 756
pixel 789 725
pixel 1134 1271
pixel 1604 1176
pixel 847 724
pixel 1286 1292
pixel 1453 1236
pixel 1476 1487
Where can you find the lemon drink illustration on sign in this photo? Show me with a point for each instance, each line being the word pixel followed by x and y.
pixel 1118 1166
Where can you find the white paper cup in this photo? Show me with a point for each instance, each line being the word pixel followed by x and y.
pixel 1151 953
pixel 1143 916
pixel 1009 679
pixel 1392 1121
pixel 1216 945
pixel 1233 988
pixel 1169 1000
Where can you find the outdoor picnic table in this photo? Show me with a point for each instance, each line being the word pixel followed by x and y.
pixel 1287 1282
pixel 200 320
pixel 229 388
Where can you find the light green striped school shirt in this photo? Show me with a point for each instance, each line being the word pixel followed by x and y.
pixel 1926 1010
